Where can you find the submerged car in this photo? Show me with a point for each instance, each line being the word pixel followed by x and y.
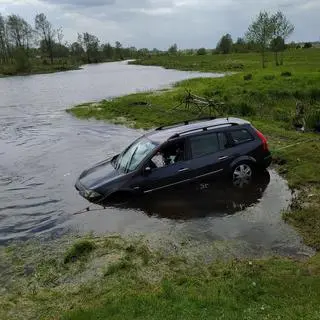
pixel 194 150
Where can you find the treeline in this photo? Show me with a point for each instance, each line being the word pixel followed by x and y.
pixel 267 33
pixel 23 45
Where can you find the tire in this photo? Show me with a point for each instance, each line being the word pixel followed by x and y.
pixel 242 174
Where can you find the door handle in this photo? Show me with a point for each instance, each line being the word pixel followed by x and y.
pixel 183 170
pixel 223 158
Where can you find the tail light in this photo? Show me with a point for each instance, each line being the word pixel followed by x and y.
pixel 263 140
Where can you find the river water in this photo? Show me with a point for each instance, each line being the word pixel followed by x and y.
pixel 43 150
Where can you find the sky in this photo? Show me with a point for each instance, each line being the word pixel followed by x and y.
pixel 160 23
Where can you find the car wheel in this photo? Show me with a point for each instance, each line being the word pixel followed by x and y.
pixel 242 174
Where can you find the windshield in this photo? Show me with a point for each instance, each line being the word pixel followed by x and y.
pixel 131 158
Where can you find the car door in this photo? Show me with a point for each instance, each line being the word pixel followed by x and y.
pixel 210 155
pixel 164 177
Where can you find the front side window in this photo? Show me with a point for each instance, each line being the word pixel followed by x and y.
pixel 169 154
pixel 204 145
pixel 241 136
pixel 131 158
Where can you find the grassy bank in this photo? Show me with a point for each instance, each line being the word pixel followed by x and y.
pixel 37 67
pixel 116 278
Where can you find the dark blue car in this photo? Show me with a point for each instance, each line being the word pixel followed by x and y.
pixel 194 150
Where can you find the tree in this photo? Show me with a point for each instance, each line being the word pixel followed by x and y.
pixel 173 50
pixel 225 44
pixel 261 32
pixel 282 29
pixel 277 45
pixel 19 32
pixel 4 45
pixel 76 50
pixel 90 45
pixel 108 51
pixel 201 52
pixel 46 32
pixel 307 45
pixel 118 50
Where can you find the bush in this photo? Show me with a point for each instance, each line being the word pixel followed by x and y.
pixel 281 115
pixel 269 77
pixel 286 74
pixel 307 45
pixel 78 250
pixel 247 109
pixel 247 77
pixel 312 119
pixel 22 61
pixel 202 52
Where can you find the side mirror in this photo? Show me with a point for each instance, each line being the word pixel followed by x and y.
pixel 147 171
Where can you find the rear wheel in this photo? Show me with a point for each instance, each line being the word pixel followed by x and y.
pixel 242 174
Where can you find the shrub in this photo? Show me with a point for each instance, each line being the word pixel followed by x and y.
pixel 269 77
pixel 312 119
pixel 281 115
pixel 247 77
pixel 202 52
pixel 78 250
pixel 241 108
pixel 22 61
pixel 286 74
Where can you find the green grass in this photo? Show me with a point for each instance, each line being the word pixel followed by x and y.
pixel 79 250
pixel 128 279
pixel 37 67
pixel 298 60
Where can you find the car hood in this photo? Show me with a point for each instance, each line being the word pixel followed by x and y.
pixel 100 173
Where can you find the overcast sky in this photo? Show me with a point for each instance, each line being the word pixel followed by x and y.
pixel 159 23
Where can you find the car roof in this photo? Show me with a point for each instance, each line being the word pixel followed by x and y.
pixel 163 134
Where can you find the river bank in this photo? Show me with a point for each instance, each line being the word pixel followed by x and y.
pixel 132 278
pixel 38 67
pixel 10 70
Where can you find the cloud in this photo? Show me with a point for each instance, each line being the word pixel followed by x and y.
pixel 159 23
pixel 82 3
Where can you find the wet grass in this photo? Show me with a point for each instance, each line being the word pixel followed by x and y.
pixel 79 250
pixel 128 279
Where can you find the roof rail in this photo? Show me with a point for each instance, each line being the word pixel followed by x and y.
pixel 177 135
pixel 184 123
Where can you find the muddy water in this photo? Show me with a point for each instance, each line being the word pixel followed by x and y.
pixel 43 150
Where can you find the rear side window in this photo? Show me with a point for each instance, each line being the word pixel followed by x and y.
pixel 204 145
pixel 241 136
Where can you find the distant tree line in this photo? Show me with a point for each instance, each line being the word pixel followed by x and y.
pixel 267 33
pixel 22 44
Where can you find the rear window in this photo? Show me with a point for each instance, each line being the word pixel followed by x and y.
pixel 241 136
pixel 204 145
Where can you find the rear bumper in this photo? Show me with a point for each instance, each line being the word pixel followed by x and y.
pixel 267 161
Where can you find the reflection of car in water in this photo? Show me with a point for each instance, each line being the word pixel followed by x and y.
pixel 182 153
pixel 197 200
